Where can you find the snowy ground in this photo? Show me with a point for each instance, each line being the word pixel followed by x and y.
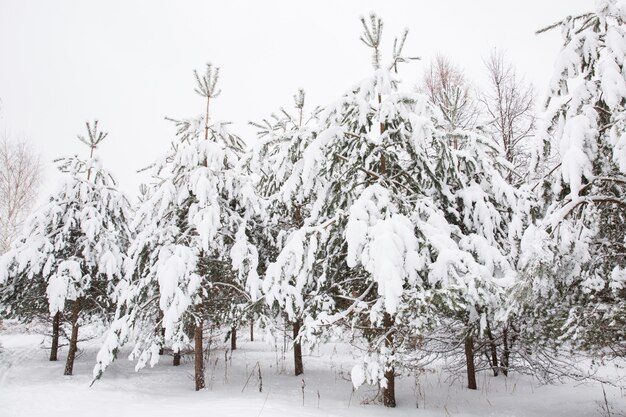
pixel 32 386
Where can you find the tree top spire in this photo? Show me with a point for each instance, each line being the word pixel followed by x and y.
pixel 94 137
pixel 207 83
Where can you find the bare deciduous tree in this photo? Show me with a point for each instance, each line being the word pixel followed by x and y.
pixel 20 177
pixel 446 86
pixel 509 105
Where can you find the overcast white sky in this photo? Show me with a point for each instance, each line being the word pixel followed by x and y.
pixel 130 63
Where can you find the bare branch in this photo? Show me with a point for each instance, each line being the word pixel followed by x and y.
pixel 446 87
pixel 509 104
pixel 20 177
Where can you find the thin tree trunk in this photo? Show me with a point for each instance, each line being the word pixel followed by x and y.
pixel 176 361
pixel 297 217
pixel 206 121
pixel 383 165
pixel 494 351
pixel 160 331
pixel 199 360
pixel 297 346
pixel 161 349
pixel 252 330
pixel 382 125
pixel 71 354
pixel 389 393
pixel 297 349
pixel 233 339
pixel 469 359
pixel 506 353
pixel 54 349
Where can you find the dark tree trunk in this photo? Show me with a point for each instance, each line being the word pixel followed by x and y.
pixel 389 393
pixel 233 339
pixel 161 331
pixel 176 361
pixel 494 351
pixel 297 349
pixel 161 349
pixel 252 330
pixel 71 354
pixel 199 360
pixel 54 349
pixel 469 359
pixel 297 217
pixel 383 164
pixel 506 352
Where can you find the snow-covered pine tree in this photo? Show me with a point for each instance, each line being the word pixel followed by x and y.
pixel 489 215
pixel 508 120
pixel 394 237
pixel 277 157
pixel 74 245
pixel 344 164
pixel 192 248
pixel 575 279
pixel 24 299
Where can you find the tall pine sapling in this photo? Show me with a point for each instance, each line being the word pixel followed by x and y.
pixel 191 246
pixel 393 241
pixel 573 258
pixel 340 168
pixel 278 157
pixel 75 244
